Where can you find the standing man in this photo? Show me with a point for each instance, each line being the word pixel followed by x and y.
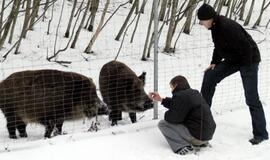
pixel 188 122
pixel 234 50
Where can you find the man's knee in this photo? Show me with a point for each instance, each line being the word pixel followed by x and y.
pixel 210 77
pixel 253 100
pixel 162 124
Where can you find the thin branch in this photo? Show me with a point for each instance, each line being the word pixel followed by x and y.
pixel 124 37
pixel 57 28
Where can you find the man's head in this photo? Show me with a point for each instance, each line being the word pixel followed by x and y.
pixel 179 83
pixel 206 13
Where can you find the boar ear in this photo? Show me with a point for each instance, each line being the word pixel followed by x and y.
pixel 142 77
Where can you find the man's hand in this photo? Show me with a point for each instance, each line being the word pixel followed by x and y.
pixel 211 66
pixel 154 96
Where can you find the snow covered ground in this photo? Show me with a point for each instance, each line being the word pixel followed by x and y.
pixel 145 142
pixel 141 140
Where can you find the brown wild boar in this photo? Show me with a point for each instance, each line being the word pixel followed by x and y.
pixel 122 90
pixel 48 97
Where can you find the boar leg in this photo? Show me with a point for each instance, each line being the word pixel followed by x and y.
pixel 49 125
pixel 114 116
pixel 21 126
pixel 59 124
pixel 133 117
pixel 11 124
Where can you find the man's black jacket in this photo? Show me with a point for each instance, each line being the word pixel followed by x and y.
pixel 187 107
pixel 232 43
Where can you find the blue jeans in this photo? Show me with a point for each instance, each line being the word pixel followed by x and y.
pixel 249 75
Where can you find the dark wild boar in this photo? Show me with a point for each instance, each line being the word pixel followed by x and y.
pixel 122 90
pixel 48 97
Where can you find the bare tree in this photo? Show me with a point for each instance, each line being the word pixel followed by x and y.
pixel 137 21
pixel 123 39
pixel 264 7
pixel 216 4
pixel 94 8
pixel 249 13
pixel 191 7
pixel 71 36
pixel 95 35
pixel 80 26
pixel 9 22
pixel 169 37
pixel 1 16
pixel 26 18
pixel 220 5
pixel 233 8
pixel 51 19
pixel 58 25
pixel 126 20
pixel 70 18
pixel 242 10
pixel 45 8
pixel 17 43
pixel 229 8
pixel 162 9
pixel 143 7
pixel 14 23
pixel 36 4
pixel 148 33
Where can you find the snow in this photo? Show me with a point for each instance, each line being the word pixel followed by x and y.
pixel 141 140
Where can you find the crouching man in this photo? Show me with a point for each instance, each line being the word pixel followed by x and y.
pixel 188 122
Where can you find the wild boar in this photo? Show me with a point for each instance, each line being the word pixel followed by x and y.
pixel 48 97
pixel 122 90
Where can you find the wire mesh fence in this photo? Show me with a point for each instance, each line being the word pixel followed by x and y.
pixel 41 98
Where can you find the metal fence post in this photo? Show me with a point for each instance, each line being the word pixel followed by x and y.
pixel 155 5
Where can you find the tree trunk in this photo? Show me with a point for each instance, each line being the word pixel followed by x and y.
pixel 50 21
pixel 80 26
pixel 143 7
pixel 264 7
pixel 70 18
pixel 162 10
pixel 126 20
pixel 94 37
pixel 1 16
pixel 26 19
pixel 249 13
pixel 233 8
pixel 34 13
pixel 45 8
pixel 71 36
pixel 171 27
pixel 137 21
pixel 191 8
pixel 216 4
pixel 94 9
pixel 9 22
pixel 242 11
pixel 14 23
pixel 229 8
pixel 148 33
pixel 220 5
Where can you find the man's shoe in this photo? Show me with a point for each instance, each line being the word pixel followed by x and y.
pixel 202 145
pixel 255 141
pixel 185 150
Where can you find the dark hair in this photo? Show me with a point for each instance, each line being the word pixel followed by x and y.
pixel 180 82
pixel 206 12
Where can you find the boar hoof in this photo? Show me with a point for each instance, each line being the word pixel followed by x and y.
pixel 12 136
pixel 24 135
pixel 114 123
